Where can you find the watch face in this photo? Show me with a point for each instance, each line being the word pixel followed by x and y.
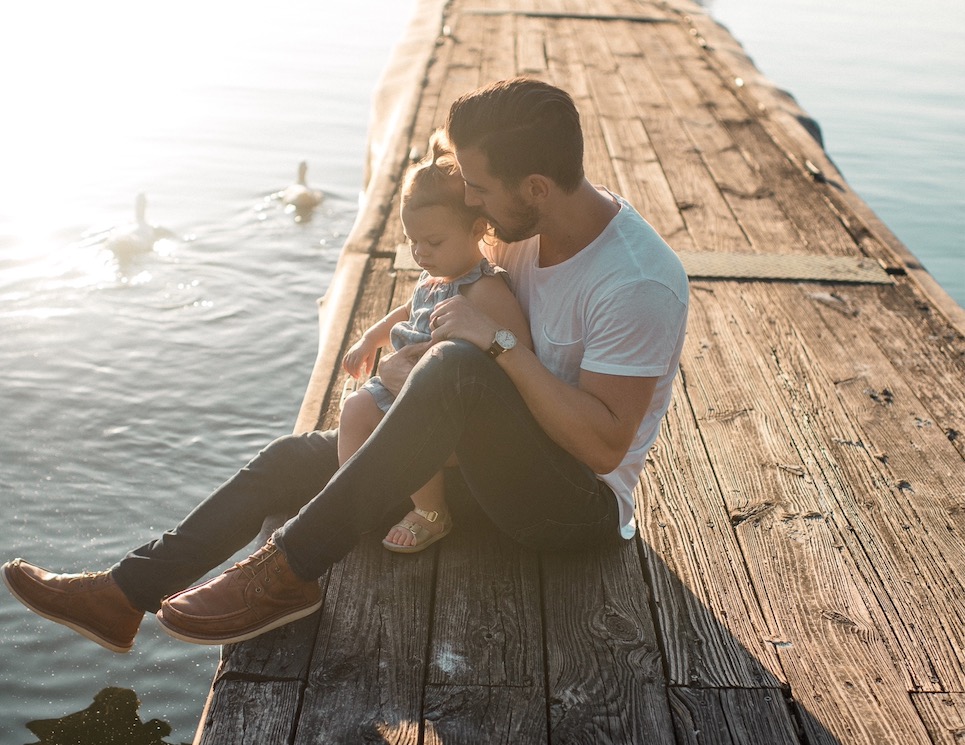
pixel 505 338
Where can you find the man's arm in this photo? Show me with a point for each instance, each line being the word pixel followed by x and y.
pixel 594 421
pixel 492 296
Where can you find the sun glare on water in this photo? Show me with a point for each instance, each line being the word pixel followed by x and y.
pixel 86 88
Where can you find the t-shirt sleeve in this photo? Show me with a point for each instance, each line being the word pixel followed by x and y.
pixel 634 331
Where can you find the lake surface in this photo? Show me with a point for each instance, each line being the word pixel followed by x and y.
pixel 134 383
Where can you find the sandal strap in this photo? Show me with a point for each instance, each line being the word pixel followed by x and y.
pixel 430 515
pixel 418 530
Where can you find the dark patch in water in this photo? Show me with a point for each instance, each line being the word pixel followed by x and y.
pixel 111 720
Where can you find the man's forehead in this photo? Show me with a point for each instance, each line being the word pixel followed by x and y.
pixel 472 163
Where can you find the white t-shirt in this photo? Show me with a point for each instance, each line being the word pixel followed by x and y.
pixel 618 307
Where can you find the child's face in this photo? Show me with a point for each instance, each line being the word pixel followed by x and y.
pixel 439 242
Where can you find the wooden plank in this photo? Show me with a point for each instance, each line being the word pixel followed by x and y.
pixel 732 716
pixel 743 187
pixel 840 670
pixel 908 482
pixel 396 107
pixel 499 52
pixel 637 171
pixel 713 629
pixel 793 186
pixel 640 178
pixel 604 667
pixel 485 681
pixel 531 46
pixel 654 9
pixel 725 96
pixel 568 71
pixel 696 195
pixel 369 662
pixel 281 654
pixel 462 73
pixel 944 716
pixel 486 626
pixel 246 712
pixel 484 715
pixel 334 320
pixel 570 15
pixel 927 353
pixel 566 66
pixel 430 115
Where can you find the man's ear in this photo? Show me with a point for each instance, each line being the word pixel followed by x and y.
pixel 537 187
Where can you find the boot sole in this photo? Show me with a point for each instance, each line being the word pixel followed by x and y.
pixel 82 630
pixel 241 636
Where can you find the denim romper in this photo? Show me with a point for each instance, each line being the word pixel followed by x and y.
pixel 428 293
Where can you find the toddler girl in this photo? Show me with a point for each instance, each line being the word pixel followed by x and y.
pixel 443 235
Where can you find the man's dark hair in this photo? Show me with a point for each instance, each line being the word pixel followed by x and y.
pixel 522 126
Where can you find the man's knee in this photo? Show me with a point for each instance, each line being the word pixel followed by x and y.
pixel 286 453
pixel 454 355
pixel 454 366
pixel 280 449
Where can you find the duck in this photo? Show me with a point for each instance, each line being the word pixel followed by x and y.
pixel 299 195
pixel 139 236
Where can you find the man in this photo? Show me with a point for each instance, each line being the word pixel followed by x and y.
pixel 550 442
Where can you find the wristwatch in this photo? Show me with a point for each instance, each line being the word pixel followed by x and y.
pixel 503 341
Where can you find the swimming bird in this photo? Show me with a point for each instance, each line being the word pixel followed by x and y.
pixel 137 237
pixel 299 195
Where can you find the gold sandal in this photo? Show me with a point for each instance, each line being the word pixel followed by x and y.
pixel 423 537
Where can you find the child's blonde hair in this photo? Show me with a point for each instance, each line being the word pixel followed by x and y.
pixel 436 181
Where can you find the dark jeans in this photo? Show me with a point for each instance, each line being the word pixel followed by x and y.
pixel 455 400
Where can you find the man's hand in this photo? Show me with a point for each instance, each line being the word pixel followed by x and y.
pixel 395 368
pixel 457 318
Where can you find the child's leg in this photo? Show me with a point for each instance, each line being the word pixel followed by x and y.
pixel 360 416
pixel 416 532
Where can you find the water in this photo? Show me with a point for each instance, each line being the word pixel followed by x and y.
pixel 886 82
pixel 132 385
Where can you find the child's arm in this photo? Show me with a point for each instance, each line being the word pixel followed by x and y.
pixel 492 296
pixel 360 357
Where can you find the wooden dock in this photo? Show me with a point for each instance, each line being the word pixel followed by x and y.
pixel 799 576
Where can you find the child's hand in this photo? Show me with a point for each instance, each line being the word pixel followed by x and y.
pixel 360 358
pixel 395 368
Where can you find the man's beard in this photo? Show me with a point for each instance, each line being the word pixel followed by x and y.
pixel 525 221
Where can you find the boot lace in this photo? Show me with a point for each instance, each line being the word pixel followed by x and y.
pixel 254 563
pixel 90 579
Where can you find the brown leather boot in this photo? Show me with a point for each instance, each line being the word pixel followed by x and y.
pixel 90 603
pixel 254 596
